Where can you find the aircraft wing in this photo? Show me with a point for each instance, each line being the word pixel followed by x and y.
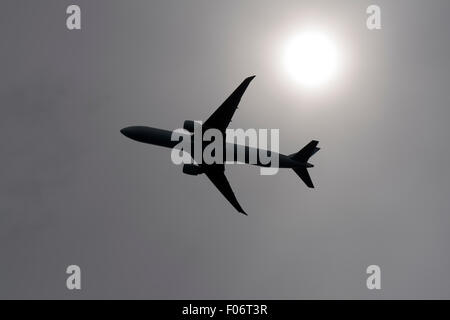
pixel 218 178
pixel 221 118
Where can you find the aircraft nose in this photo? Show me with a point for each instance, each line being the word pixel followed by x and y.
pixel 127 132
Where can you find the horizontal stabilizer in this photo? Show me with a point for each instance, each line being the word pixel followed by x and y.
pixel 303 173
pixel 307 152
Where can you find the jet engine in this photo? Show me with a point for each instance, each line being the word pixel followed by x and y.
pixel 192 169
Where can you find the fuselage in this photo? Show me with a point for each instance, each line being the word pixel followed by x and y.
pixel 239 153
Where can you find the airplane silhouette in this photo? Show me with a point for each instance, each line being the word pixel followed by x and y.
pixel 220 120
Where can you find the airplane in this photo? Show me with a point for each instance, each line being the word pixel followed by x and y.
pixel 220 120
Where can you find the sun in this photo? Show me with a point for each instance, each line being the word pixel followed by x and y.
pixel 312 59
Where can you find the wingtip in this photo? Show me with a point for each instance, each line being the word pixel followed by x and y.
pixel 242 211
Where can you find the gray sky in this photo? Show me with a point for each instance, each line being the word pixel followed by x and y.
pixel 73 190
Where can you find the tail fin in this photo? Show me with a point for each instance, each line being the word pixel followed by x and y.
pixel 303 156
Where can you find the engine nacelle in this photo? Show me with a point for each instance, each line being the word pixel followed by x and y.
pixel 192 169
pixel 189 125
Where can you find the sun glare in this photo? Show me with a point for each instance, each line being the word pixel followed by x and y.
pixel 312 59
